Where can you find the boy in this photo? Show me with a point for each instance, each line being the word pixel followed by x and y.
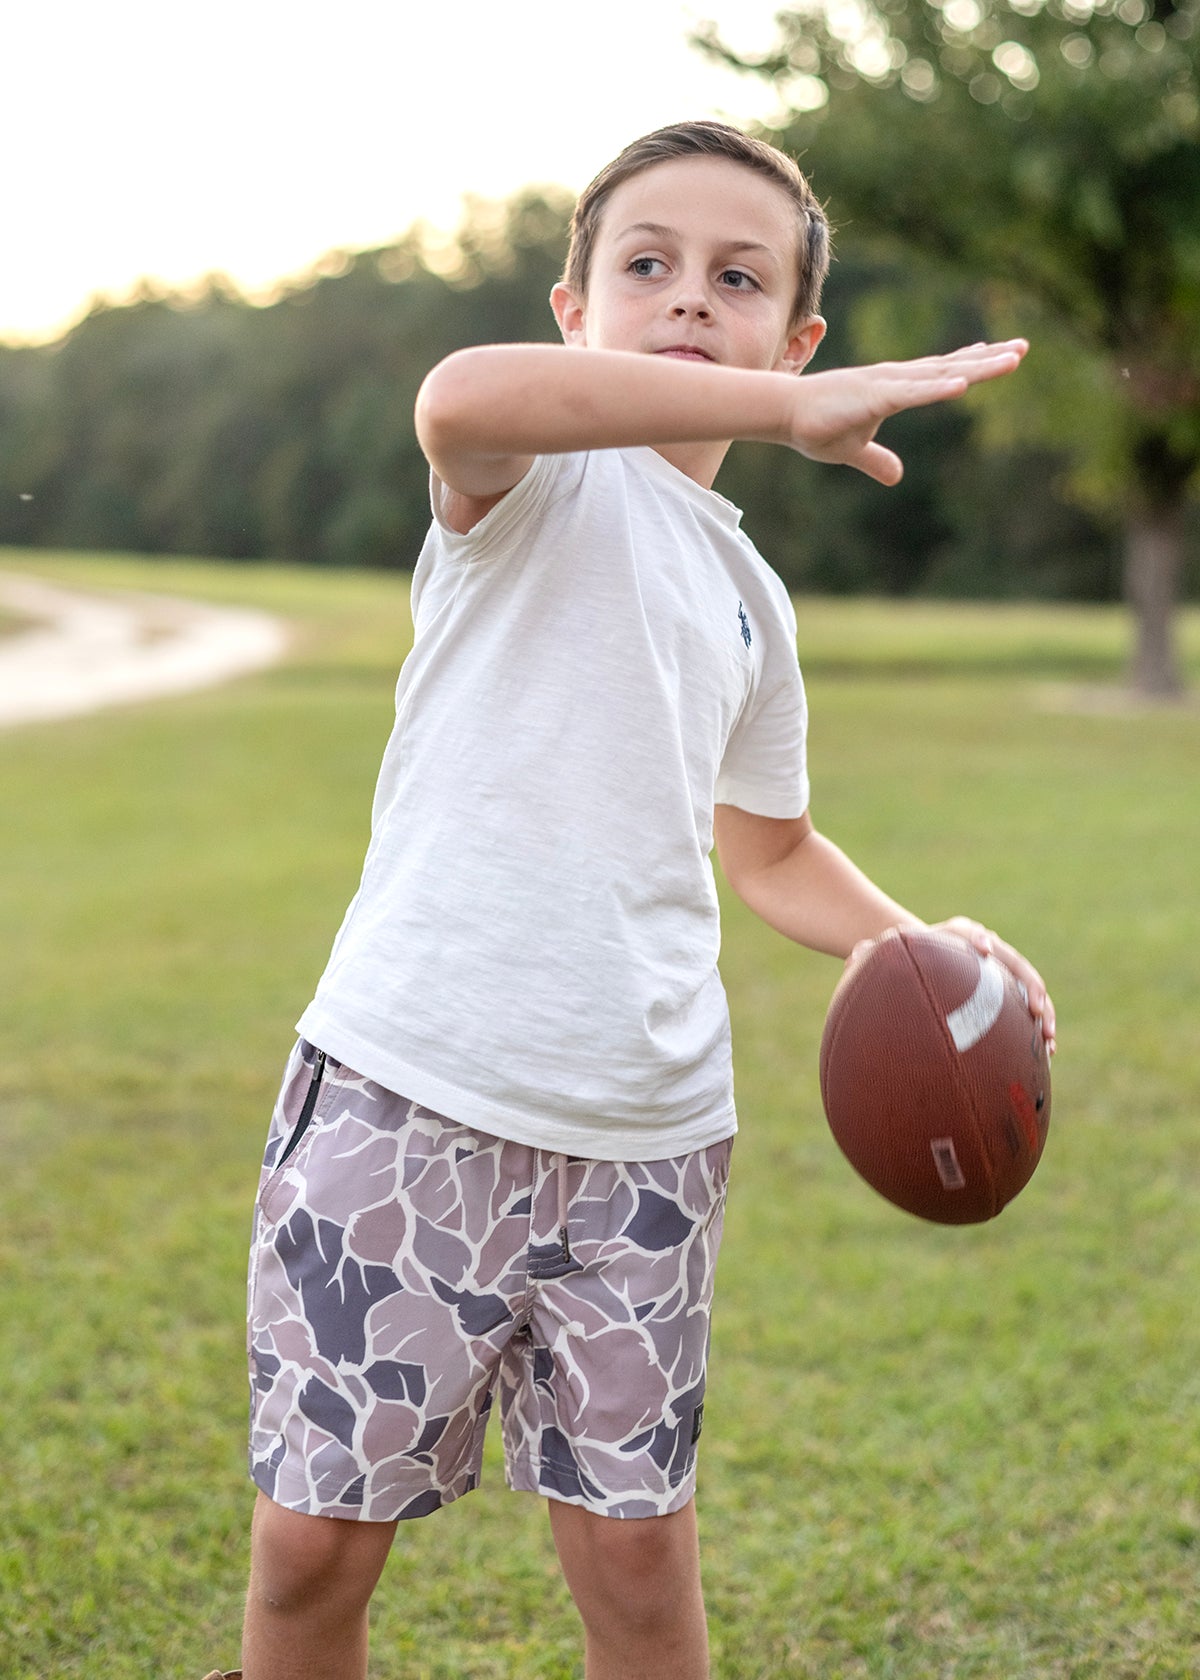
pixel 500 1152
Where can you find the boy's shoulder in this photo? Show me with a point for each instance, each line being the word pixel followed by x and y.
pixel 588 479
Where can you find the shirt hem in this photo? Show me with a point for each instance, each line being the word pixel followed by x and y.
pixel 596 1140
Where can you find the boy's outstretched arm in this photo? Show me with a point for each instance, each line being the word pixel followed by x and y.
pixel 484 413
pixel 802 885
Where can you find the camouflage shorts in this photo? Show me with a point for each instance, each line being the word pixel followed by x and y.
pixel 406 1269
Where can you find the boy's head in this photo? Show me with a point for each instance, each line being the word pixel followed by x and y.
pixel 713 140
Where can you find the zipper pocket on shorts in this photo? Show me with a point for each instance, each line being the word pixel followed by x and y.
pixel 306 1113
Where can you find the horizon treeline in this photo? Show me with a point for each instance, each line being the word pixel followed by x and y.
pixel 211 426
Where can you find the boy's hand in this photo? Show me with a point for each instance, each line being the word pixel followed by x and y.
pixel 989 944
pixel 837 414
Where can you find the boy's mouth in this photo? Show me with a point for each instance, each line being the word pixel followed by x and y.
pixel 685 352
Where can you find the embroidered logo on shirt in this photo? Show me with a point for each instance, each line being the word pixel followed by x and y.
pixel 745 623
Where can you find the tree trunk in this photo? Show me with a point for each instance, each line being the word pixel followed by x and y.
pixel 1153 571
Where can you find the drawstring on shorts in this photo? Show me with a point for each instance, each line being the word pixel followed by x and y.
pixel 560 1165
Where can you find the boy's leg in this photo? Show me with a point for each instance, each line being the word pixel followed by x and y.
pixel 603 1397
pixel 387 1270
pixel 636 1585
pixel 311 1580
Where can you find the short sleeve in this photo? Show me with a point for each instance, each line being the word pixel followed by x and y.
pixel 549 477
pixel 765 769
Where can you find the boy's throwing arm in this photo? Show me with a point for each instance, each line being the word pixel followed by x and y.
pixel 484 413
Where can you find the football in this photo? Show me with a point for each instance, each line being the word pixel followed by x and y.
pixel 934 1076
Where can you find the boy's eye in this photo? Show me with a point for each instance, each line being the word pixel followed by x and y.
pixel 739 280
pixel 645 267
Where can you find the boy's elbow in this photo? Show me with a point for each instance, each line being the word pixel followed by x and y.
pixel 464 422
pixel 443 404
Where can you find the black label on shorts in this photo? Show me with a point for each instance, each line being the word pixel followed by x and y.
pixel 697 1423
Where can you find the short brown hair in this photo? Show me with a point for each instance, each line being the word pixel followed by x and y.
pixel 706 139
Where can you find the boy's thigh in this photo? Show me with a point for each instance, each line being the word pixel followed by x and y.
pixel 603 1394
pixel 386 1274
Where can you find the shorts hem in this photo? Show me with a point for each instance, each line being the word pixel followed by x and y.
pixel 407 1506
pixel 525 1475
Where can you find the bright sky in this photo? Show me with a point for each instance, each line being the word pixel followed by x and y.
pixel 167 139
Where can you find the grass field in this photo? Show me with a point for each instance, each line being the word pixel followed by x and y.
pixel 929 1453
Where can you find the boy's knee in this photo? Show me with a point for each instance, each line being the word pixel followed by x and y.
pixel 644 1566
pixel 299 1560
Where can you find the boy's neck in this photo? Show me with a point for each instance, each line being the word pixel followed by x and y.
pixel 700 462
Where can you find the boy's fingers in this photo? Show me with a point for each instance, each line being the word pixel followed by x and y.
pixel 1041 1006
pixel 919 393
pixel 998 347
pixel 984 360
pixel 987 943
pixel 868 396
pixel 975 362
pixel 881 464
pixel 940 379
pixel 963 370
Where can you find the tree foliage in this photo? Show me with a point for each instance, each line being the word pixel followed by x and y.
pixel 207 426
pixel 1049 152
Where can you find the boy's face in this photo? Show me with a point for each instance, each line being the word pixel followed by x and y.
pixel 695 259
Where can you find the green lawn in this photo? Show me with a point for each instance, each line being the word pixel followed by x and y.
pixel 929 1452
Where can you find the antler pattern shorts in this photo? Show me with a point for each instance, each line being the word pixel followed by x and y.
pixel 406 1271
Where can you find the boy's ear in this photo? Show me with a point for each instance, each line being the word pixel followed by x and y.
pixel 569 313
pixel 802 345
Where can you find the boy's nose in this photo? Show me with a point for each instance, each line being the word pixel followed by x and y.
pixel 689 302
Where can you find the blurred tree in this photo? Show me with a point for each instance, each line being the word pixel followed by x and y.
pixel 1049 151
pixel 24 443
pixel 962 521
pixel 203 424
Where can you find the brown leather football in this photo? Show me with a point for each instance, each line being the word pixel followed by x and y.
pixel 935 1077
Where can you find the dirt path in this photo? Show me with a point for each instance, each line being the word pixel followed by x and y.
pixel 88 651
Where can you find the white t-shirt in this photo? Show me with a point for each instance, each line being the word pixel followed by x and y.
pixel 533 947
